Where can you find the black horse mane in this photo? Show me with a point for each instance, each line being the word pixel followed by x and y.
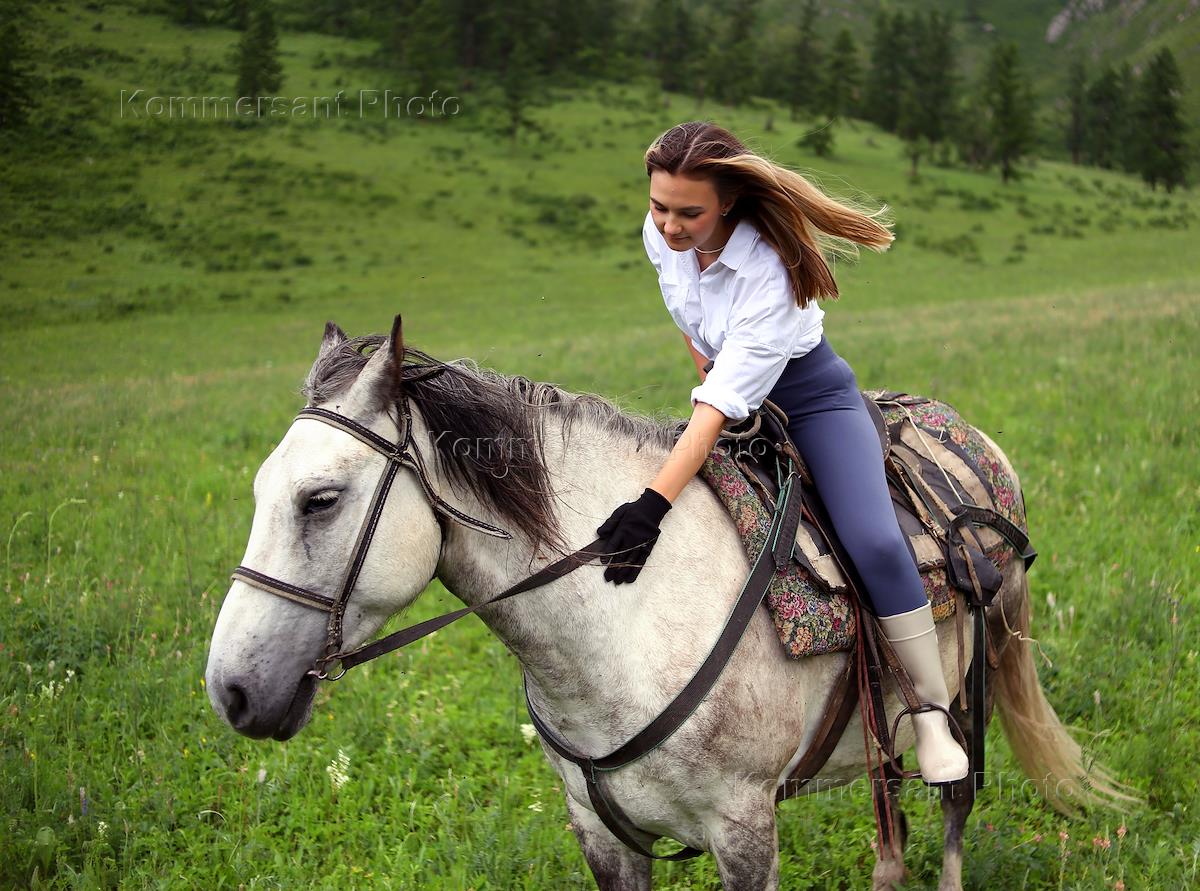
pixel 487 428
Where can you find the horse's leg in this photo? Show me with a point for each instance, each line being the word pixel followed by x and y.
pixel 615 867
pixel 889 862
pixel 746 846
pixel 959 797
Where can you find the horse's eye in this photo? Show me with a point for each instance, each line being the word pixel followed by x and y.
pixel 320 501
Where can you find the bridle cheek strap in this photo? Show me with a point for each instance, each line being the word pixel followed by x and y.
pixel 400 454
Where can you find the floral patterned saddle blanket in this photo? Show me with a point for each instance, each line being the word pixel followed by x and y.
pixel 936 463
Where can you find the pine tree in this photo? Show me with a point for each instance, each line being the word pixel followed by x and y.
pixel 15 98
pixel 928 86
pixel 805 86
pixel 1010 108
pixel 1076 109
pixel 423 46
pixel 885 77
pixel 514 32
pixel 235 14
pixel 843 85
pixel 934 64
pixel 1161 148
pixel 1103 120
pixel 738 79
pixel 259 71
pixel 672 35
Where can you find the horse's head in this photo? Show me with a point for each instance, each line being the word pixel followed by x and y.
pixel 311 496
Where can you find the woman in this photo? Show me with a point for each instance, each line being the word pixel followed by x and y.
pixel 733 238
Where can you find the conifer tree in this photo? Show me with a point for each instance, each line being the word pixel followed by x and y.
pixel 423 46
pixel 672 37
pixel 259 71
pixel 1160 144
pixel 1104 115
pixel 1076 109
pixel 928 87
pixel 235 14
pixel 15 96
pixel 889 63
pixel 1010 109
pixel 738 58
pixel 843 83
pixel 805 86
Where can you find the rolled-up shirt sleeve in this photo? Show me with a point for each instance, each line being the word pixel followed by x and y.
pixel 651 238
pixel 764 325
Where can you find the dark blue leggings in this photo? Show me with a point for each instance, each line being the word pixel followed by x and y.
pixel 830 426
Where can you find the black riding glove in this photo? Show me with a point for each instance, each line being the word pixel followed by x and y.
pixel 629 536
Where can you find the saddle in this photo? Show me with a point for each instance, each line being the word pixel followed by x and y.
pixel 933 480
pixel 961 515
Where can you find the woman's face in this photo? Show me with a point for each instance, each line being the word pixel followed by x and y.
pixel 686 210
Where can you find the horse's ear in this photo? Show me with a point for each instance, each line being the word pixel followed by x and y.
pixel 333 337
pixel 397 344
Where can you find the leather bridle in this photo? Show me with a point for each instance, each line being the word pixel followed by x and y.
pixel 399 454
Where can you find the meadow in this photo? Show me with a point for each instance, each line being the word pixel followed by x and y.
pixel 164 285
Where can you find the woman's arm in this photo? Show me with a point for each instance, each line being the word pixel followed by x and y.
pixel 696 357
pixel 689 453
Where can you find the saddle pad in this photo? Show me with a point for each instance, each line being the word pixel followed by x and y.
pixel 813 615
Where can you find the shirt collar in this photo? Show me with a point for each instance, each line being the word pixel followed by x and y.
pixel 737 248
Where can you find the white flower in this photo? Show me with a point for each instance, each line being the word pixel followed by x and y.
pixel 530 734
pixel 101 829
pixel 339 770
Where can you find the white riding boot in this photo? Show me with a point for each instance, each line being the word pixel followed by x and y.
pixel 912 635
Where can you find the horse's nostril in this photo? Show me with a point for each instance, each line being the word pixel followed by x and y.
pixel 237 706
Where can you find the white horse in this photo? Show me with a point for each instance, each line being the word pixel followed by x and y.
pixel 601 660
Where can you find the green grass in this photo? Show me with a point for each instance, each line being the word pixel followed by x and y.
pixel 150 359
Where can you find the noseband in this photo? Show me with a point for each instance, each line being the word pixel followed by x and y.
pixel 399 454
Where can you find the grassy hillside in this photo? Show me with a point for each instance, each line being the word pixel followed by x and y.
pixel 164 283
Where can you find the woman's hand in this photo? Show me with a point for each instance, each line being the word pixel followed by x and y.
pixel 630 534
pixel 633 527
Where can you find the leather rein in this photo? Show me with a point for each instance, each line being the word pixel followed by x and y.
pixel 775 554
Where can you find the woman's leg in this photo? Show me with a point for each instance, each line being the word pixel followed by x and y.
pixel 841 447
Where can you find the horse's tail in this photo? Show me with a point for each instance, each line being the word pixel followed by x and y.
pixel 1045 750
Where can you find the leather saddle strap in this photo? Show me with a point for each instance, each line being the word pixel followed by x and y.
pixel 775 549
pixel 776 552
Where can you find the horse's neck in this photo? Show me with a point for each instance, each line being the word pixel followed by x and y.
pixel 585 643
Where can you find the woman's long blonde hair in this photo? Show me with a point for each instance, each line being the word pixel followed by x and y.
pixel 791 214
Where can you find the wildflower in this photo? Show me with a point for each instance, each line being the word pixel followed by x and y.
pixel 1118 885
pixel 1062 836
pixel 1121 831
pixel 1037 836
pixel 339 770
pixel 101 830
pixel 262 775
pixel 529 733
pixel 1099 842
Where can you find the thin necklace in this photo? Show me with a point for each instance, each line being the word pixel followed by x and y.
pixel 717 250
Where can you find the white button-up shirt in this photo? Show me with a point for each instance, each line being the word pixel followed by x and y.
pixel 740 311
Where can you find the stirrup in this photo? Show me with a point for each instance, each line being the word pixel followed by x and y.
pixel 955 731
